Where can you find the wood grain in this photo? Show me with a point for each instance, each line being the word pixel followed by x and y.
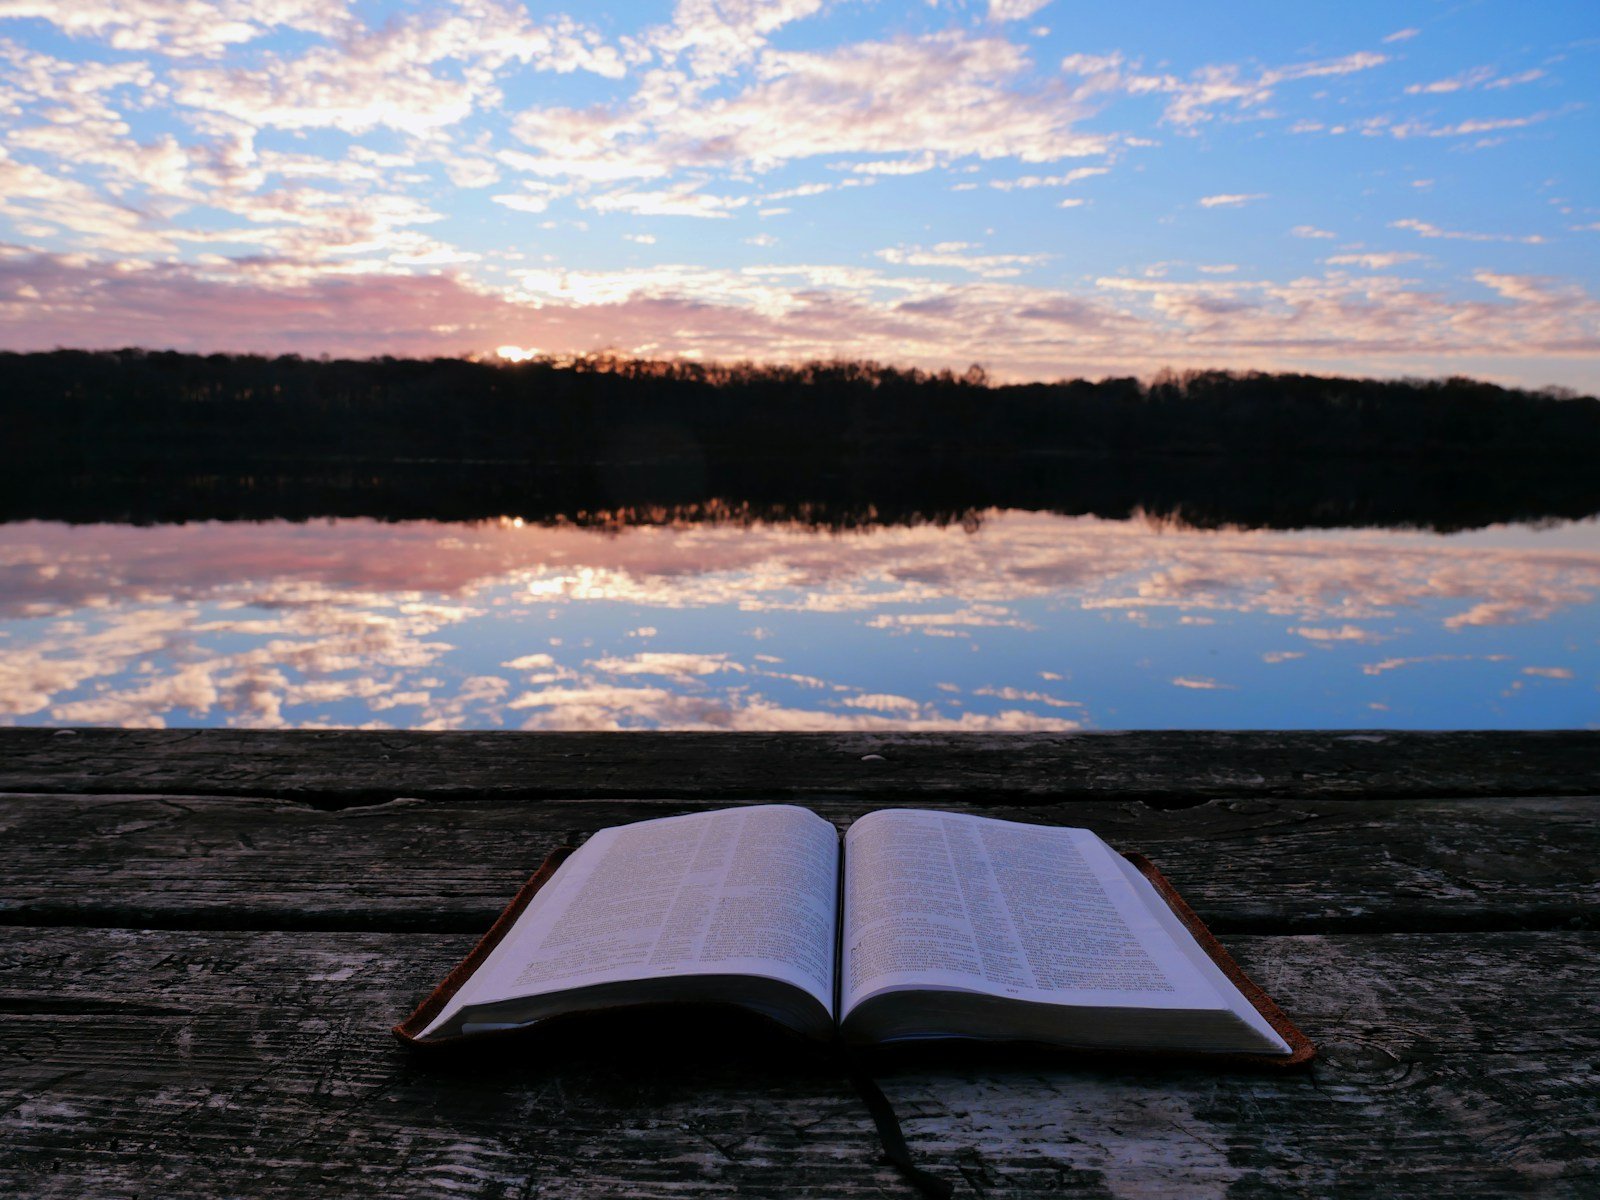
pixel 1258 865
pixel 1173 768
pixel 218 1064
pixel 236 918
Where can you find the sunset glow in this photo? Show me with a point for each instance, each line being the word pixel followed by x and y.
pixel 1043 187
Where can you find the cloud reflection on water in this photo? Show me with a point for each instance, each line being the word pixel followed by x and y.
pixel 430 625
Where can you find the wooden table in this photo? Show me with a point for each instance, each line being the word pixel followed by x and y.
pixel 207 935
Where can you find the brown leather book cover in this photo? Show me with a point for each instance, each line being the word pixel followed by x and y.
pixel 1302 1051
pixel 410 1030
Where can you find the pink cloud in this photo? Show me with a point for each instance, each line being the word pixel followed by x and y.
pixel 1117 325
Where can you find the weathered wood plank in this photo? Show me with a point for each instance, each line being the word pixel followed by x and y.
pixel 1258 865
pixel 1255 864
pixel 166 1063
pixel 1178 767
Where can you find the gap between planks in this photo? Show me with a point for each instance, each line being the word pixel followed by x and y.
pixel 1253 865
pixel 1161 768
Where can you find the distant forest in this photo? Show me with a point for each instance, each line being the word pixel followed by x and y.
pixel 165 436
pixel 77 404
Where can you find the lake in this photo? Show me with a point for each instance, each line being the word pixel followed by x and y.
pixel 1009 620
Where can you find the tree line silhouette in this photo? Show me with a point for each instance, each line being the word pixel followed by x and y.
pixel 150 436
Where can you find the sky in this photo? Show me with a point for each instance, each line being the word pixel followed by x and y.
pixel 1045 187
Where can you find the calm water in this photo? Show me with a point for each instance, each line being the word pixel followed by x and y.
pixel 1027 622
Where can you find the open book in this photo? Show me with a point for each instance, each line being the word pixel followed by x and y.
pixel 915 924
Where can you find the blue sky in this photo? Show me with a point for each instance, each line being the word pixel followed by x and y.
pixel 1050 189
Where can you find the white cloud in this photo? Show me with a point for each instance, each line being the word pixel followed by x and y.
pixel 32 194
pixel 179 29
pixel 1395 664
pixel 1428 230
pixel 1372 261
pixel 416 73
pixel 1025 696
pixel 681 200
pixel 1343 633
pixel 959 255
pixel 477 703
pixel 530 662
pixel 523 202
pixel 1037 181
pixel 1456 83
pixel 620 707
pixel 971 102
pixel 1363 60
pixel 1477 77
pixel 1193 99
pixel 893 166
pixel 1014 10
pixel 974 616
pixel 1230 199
pixel 1530 289
pixel 1467 128
pixel 671 665
pixel 883 702
pixel 1517 80
pixel 329 90
pixel 719 36
pixel 1549 672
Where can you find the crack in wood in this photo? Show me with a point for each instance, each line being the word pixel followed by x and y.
pixel 1166 770
pixel 58 1006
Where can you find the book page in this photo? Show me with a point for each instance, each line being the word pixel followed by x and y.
pixel 739 891
pixel 1170 921
pixel 944 901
